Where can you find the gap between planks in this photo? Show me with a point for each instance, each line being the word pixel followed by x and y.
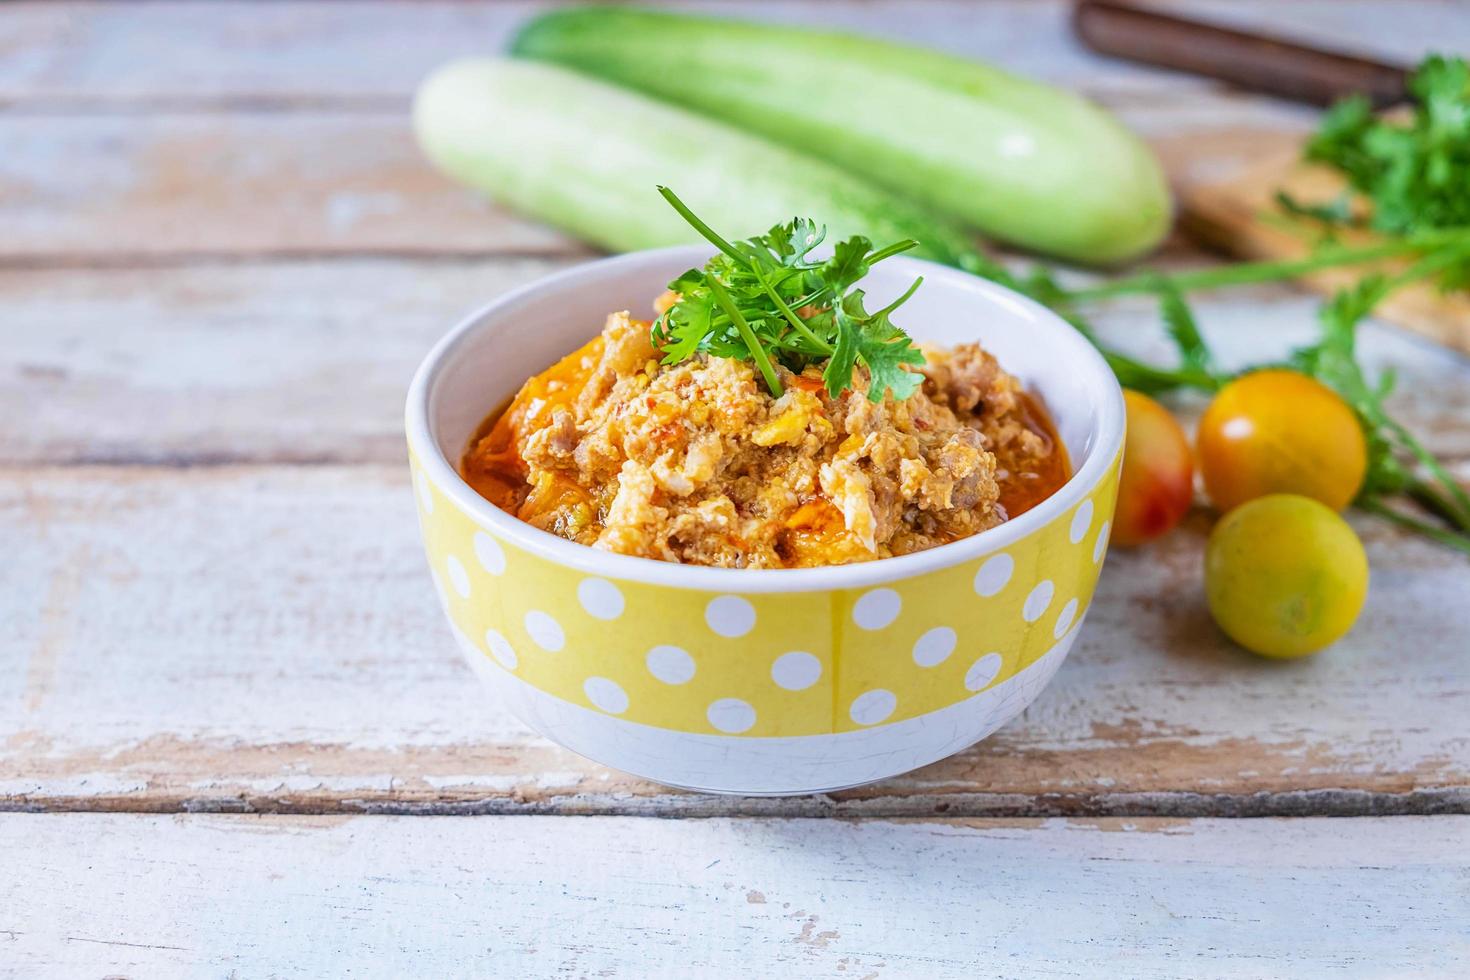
pixel 851 805
pixel 186 259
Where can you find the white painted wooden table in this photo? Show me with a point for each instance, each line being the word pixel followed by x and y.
pixel 236 738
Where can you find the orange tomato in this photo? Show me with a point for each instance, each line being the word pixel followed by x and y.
pixel 1158 473
pixel 1281 432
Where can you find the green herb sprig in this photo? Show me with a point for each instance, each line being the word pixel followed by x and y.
pixel 1413 173
pixel 1401 469
pixel 766 300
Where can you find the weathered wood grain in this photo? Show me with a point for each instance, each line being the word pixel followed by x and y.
pixel 298 361
pixel 104 189
pixel 81 189
pixel 266 639
pixel 92 895
pixel 63 54
pixel 180 53
pixel 308 361
pixel 1241 216
pixel 172 130
pixel 209 134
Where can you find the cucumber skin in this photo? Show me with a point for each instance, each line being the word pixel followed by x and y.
pixel 587 156
pixel 1027 163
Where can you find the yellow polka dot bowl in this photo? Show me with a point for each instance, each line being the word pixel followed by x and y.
pixel 770 681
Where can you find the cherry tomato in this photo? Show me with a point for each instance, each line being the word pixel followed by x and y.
pixel 1281 432
pixel 1285 575
pixel 1157 484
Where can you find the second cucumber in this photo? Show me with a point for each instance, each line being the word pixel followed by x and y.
pixel 1029 164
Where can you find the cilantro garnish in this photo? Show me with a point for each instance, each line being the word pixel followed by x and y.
pixel 1414 172
pixel 768 301
pixel 1401 470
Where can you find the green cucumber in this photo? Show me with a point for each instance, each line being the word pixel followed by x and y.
pixel 1024 162
pixel 588 157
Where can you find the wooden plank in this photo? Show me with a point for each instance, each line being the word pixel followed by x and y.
pixel 79 189
pixel 115 150
pixel 62 54
pixel 91 895
pixel 308 361
pixel 302 361
pixel 365 53
pixel 290 168
pixel 267 639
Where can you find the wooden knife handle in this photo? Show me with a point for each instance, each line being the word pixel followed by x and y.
pixel 1251 61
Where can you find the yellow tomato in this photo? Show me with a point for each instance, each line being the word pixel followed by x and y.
pixel 1281 432
pixel 1157 484
pixel 1285 575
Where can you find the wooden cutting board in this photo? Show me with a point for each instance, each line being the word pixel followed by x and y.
pixel 1239 214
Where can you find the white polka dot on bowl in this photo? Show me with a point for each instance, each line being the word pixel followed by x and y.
pixel 796 671
pixel 1038 601
pixel 983 671
pixel 1081 521
pixel 600 598
pixel 876 609
pixel 1101 547
pixel 491 555
pixel 1064 620
pixel 934 647
pixel 605 694
pixel 871 707
pixel 730 616
pixel 670 664
pixel 994 575
pixel 545 630
pixel 458 577
pixel 501 650
pixel 731 716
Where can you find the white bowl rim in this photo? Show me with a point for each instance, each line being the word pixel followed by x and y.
pixel 593 561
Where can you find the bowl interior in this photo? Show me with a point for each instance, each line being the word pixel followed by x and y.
pixel 486 361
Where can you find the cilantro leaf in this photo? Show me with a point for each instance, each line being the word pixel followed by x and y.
pixel 1400 467
pixel 1412 172
pixel 1180 325
pixel 847 265
pixel 768 301
pixel 882 347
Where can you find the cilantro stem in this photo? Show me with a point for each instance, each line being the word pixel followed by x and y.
pixel 710 235
pixel 1246 273
pixel 1458 497
pixel 1431 498
pixel 722 296
pixel 889 251
pixel 901 300
pixel 790 316
pixel 1374 505
pixel 714 238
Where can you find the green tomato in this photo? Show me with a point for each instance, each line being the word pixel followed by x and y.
pixel 1285 575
